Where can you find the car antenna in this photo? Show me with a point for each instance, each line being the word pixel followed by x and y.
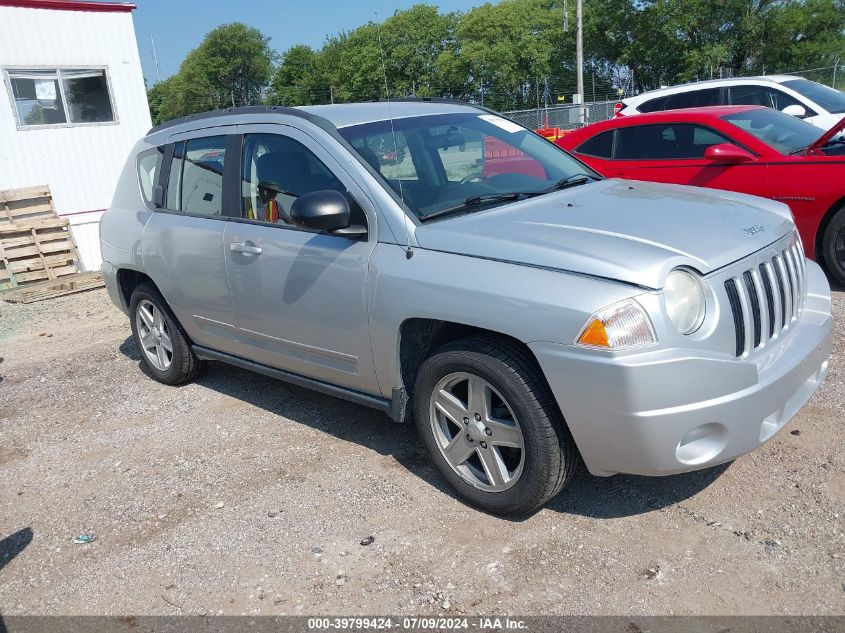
pixel 409 251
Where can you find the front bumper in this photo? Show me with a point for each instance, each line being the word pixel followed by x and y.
pixel 669 411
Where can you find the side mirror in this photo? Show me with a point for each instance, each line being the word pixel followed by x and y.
pixel 798 111
pixel 325 210
pixel 728 153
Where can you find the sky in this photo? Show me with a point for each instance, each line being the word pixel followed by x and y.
pixel 180 25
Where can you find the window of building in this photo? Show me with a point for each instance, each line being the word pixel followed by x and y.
pixel 64 96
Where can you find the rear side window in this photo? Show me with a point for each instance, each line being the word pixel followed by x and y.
pixel 693 99
pixel 149 167
pixel 653 106
pixel 202 175
pixel 665 142
pixel 682 100
pixel 600 146
pixel 174 181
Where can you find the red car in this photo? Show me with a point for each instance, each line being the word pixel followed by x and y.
pixel 748 149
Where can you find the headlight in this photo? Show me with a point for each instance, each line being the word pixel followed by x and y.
pixel 623 324
pixel 685 300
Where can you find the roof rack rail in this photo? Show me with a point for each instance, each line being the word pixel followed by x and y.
pixel 217 113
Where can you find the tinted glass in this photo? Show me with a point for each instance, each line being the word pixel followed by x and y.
pixel 433 174
pixel 202 175
pixel 783 132
pixel 600 145
pixel 149 164
pixel 87 96
pixel 174 181
pixel 276 170
pixel 653 106
pixel 762 96
pixel 828 98
pixel 665 142
pixel 692 99
pixel 38 100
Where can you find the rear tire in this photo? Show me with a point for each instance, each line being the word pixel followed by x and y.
pixel 164 347
pixel 833 246
pixel 484 465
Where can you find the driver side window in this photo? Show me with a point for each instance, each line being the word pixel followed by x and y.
pixel 277 170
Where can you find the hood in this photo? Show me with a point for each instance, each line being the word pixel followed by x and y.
pixel 827 136
pixel 629 231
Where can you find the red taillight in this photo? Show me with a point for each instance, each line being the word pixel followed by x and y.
pixel 617 109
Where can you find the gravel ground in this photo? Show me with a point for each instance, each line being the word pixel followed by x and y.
pixel 239 494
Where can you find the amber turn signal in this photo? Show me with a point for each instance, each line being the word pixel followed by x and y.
pixel 594 335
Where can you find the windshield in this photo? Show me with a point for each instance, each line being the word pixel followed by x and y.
pixel 784 133
pixel 831 100
pixel 448 162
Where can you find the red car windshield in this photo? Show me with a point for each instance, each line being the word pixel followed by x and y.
pixel 784 133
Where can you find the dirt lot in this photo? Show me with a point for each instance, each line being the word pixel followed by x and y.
pixel 239 494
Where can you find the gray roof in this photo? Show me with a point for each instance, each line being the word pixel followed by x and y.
pixel 346 114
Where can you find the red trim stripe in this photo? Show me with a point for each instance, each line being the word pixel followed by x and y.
pixel 72 5
pixel 64 215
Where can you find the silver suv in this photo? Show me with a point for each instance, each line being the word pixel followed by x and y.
pixel 443 264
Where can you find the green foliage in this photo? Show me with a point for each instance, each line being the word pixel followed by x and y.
pixel 513 54
pixel 232 66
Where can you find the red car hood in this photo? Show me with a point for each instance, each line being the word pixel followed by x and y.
pixel 827 136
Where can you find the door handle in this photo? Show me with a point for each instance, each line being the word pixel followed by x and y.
pixel 246 248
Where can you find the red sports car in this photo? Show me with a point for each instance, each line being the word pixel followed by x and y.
pixel 748 149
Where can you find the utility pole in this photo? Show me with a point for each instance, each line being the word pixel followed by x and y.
pixel 579 54
pixel 155 58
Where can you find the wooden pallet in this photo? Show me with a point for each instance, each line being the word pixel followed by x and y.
pixel 27 204
pixel 76 282
pixel 35 244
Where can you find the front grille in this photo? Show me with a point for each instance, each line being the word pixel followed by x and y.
pixel 767 297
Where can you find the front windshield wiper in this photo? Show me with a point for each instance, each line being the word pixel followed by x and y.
pixel 474 201
pixel 570 181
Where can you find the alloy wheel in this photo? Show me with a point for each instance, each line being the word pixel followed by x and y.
pixel 155 338
pixel 477 432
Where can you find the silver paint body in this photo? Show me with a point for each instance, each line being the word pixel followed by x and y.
pixel 330 309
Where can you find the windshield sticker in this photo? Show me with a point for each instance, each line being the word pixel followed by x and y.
pixel 507 126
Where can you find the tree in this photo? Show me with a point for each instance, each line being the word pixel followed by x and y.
pixel 232 66
pixel 509 55
pixel 298 80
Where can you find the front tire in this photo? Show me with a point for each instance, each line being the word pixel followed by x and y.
pixel 491 426
pixel 165 349
pixel 833 246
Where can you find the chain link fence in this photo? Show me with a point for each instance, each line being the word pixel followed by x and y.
pixel 566 117
pixel 833 76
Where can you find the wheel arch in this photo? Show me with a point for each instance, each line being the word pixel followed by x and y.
pixel 127 280
pixel 419 337
pixel 818 242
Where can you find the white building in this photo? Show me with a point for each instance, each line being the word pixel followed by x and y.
pixel 72 105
